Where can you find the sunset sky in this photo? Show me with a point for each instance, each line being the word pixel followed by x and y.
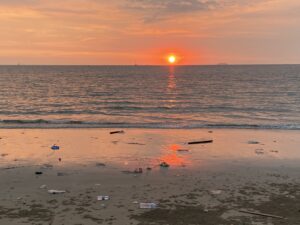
pixel 145 31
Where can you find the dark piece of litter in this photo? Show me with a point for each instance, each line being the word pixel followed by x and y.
pixel 117 132
pixel 182 150
pixel 55 147
pixel 135 143
pixel 200 142
pixel 164 164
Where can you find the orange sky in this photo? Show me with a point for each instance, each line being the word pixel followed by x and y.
pixel 144 31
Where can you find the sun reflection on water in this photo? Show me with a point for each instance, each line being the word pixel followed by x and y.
pixel 171 79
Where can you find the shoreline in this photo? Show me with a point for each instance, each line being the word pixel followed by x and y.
pixel 154 128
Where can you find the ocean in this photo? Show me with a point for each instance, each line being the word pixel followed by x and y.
pixel 220 96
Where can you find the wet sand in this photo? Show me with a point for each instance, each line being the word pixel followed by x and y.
pixel 253 170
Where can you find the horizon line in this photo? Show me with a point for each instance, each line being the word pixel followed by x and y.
pixel 137 65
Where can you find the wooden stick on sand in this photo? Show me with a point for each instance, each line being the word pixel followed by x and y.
pixel 261 214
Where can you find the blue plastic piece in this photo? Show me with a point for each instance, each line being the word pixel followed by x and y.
pixel 55 147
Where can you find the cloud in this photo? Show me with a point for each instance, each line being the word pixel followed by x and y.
pixel 157 10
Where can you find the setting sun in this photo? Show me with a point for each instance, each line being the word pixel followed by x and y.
pixel 172 59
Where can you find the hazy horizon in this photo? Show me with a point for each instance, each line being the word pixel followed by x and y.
pixel 164 65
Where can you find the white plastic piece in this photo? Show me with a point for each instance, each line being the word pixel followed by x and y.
pixel 56 191
pixel 102 197
pixel 149 205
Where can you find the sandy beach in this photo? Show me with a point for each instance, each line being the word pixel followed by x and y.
pixel 250 170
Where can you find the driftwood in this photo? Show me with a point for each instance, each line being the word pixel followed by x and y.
pixel 117 132
pixel 200 142
pixel 135 143
pixel 261 214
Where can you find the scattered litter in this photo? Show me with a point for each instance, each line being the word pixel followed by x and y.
pixel 135 143
pixel 138 170
pixel 182 150
pixel 100 164
pixel 97 184
pixel 59 159
pixel 4 154
pixel 259 151
pixel 216 192
pixel 164 164
pixel 117 132
pixel 148 205
pixel 253 142
pixel 274 151
pixel 19 198
pixel 261 214
pixel 149 168
pixel 43 186
pixel 38 172
pixel 102 197
pixel 56 191
pixel 135 202
pixel 200 142
pixel 210 131
pixel 205 210
pixel 55 147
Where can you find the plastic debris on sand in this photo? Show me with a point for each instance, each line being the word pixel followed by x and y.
pixel 55 147
pixel 164 164
pixel 149 205
pixel 56 191
pixel 102 197
pixel 216 192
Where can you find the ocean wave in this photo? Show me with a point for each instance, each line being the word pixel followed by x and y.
pixel 41 123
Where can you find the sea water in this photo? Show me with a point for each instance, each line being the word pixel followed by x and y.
pixel 231 96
